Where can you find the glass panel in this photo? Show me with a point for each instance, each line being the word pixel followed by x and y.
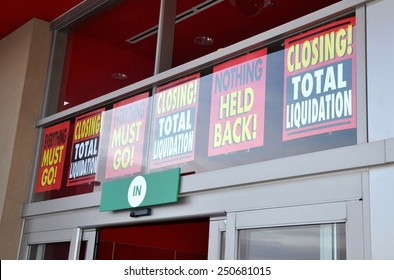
pixel 36 252
pixel 54 251
pixel 178 240
pixel 258 106
pixel 222 245
pixel 198 132
pixel 312 242
pixel 50 251
pixel 216 24
pixel 115 46
pixel 99 56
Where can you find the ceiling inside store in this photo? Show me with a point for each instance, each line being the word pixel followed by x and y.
pixel 14 14
pixel 225 21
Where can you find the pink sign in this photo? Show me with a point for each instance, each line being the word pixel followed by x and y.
pixel 175 118
pixel 84 148
pixel 53 152
pixel 238 104
pixel 320 81
pixel 126 142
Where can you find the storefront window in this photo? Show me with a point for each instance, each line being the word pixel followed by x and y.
pixel 207 26
pixel 286 98
pixel 245 110
pixel 100 58
pixel 116 46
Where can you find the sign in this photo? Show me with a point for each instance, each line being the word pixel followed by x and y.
pixel 85 143
pixel 238 104
pixel 127 133
pixel 175 121
pixel 320 81
pixel 53 151
pixel 141 191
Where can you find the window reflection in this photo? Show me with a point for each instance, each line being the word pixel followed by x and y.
pixel 100 59
pixel 225 115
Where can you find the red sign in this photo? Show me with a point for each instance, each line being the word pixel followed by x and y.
pixel 175 122
pixel 84 154
pixel 238 104
pixel 52 158
pixel 126 142
pixel 320 81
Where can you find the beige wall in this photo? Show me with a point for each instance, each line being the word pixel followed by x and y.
pixel 24 58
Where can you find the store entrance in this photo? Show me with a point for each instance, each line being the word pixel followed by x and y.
pixel 175 240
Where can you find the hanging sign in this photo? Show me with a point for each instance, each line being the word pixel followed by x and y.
pixel 85 146
pixel 53 151
pixel 141 191
pixel 320 81
pixel 175 121
pixel 238 104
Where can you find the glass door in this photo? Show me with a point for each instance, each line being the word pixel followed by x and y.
pixel 72 244
pixel 50 251
pixel 330 231
pixel 169 240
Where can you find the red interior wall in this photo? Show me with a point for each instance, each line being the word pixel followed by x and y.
pixel 170 240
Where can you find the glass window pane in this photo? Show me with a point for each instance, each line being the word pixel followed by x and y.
pixel 222 244
pixel 212 25
pixel 54 251
pixel 312 242
pixel 50 251
pixel 231 120
pixel 100 56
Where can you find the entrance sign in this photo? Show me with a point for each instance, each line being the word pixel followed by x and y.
pixel 141 191
pixel 137 191
pixel 53 151
pixel 238 104
pixel 320 81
